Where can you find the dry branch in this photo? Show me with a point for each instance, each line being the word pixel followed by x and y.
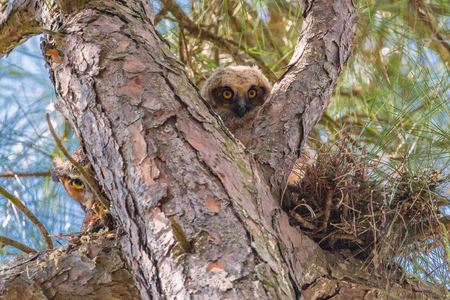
pixel 34 174
pixel 30 216
pixel 9 242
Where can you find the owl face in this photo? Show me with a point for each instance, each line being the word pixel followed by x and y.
pixel 74 183
pixel 236 90
pixel 238 99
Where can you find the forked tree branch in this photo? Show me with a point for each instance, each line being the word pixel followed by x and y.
pixel 163 155
pixel 163 147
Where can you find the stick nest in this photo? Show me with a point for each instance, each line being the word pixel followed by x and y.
pixel 347 200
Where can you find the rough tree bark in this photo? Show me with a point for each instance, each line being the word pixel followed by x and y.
pixel 168 165
pixel 94 270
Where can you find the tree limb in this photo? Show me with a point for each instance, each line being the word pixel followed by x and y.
pixel 161 14
pixel 18 23
pixel 93 270
pixel 298 101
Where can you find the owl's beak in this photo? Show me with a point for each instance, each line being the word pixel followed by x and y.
pixel 242 107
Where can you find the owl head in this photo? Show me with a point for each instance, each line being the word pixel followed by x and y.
pixel 97 216
pixel 236 90
pixel 73 182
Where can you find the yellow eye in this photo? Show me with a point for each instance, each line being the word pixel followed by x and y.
pixel 77 183
pixel 227 94
pixel 252 93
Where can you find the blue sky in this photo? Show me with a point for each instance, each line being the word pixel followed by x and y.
pixel 26 95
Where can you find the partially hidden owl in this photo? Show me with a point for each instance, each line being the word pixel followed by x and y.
pixel 78 189
pixel 236 94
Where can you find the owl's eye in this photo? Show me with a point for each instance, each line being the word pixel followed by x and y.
pixel 252 93
pixel 227 94
pixel 77 183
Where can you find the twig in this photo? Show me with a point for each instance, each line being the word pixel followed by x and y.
pixel 36 174
pixel 375 257
pixel 342 236
pixel 30 216
pixel 85 176
pixel 302 221
pixel 182 23
pixel 62 235
pixel 52 33
pixel 327 208
pixel 345 208
pixel 9 242
pixel 313 214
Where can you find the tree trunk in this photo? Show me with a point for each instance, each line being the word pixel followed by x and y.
pixel 93 270
pixel 199 211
